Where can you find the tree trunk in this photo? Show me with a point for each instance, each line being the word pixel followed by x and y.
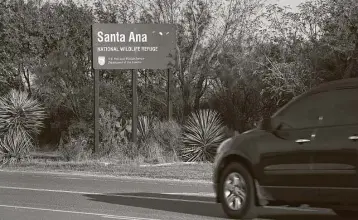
pixel 199 91
pixel 187 108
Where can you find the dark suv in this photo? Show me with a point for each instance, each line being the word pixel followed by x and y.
pixel 306 153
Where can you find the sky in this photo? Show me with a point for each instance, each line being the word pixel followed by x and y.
pixel 292 3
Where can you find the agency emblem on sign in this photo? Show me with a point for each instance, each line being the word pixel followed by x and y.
pixel 101 60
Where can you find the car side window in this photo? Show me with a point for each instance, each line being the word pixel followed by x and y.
pixel 303 113
pixel 343 108
pixel 331 108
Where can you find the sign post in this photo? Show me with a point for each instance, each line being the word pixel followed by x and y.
pixel 134 106
pixel 131 46
pixel 169 94
pixel 96 110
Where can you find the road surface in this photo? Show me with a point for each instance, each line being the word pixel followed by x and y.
pixel 37 196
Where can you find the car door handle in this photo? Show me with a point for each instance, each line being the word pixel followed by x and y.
pixel 353 138
pixel 302 141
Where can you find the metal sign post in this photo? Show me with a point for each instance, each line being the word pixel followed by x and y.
pixel 134 106
pixel 96 110
pixel 169 94
pixel 132 46
pixel 96 101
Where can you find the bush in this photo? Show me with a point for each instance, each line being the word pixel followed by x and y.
pixel 14 146
pixel 18 110
pixel 114 133
pixel 21 117
pixel 202 134
pixel 157 141
pixel 77 143
pixel 168 135
pixel 240 104
pixel 161 143
pixel 75 149
pixel 152 152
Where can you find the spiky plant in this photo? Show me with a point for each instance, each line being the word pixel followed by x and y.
pixel 21 117
pixel 145 127
pixel 14 146
pixel 202 134
pixel 17 109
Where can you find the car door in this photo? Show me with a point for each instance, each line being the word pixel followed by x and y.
pixel 335 156
pixel 286 154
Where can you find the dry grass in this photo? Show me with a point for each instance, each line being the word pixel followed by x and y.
pixel 181 171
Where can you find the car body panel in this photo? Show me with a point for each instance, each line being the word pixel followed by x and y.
pixel 334 166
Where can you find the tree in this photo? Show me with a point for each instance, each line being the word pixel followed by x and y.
pixel 340 34
pixel 202 28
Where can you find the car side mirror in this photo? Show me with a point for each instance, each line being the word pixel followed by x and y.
pixel 266 124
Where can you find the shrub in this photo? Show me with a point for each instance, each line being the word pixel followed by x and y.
pixel 14 146
pixel 152 152
pixel 80 128
pixel 157 141
pixel 75 149
pixel 18 110
pixel 202 134
pixel 21 117
pixel 76 144
pixel 168 135
pixel 114 132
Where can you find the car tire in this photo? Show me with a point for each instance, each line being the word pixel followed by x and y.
pixel 348 214
pixel 245 207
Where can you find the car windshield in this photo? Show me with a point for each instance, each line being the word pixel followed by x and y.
pixel 286 106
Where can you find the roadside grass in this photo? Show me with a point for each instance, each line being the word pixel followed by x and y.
pixel 176 170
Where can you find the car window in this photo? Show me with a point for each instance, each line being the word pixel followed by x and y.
pixel 343 108
pixel 332 108
pixel 302 113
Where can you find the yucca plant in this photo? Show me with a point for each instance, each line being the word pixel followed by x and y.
pixel 17 109
pixel 21 117
pixel 14 146
pixel 202 134
pixel 145 127
pixel 146 141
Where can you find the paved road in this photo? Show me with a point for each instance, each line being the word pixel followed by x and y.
pixel 36 196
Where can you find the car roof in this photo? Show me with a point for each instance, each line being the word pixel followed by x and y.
pixel 336 84
pixel 328 86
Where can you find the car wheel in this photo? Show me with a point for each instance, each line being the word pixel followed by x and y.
pixel 347 214
pixel 237 192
